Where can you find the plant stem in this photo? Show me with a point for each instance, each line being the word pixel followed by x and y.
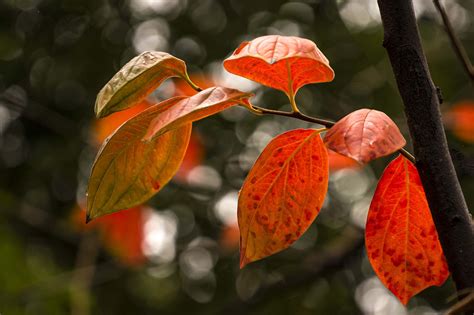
pixel 443 191
pixel 298 115
pixel 455 42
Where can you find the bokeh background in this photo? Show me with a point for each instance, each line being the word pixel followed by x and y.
pixel 178 254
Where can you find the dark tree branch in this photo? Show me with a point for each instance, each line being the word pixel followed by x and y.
pixel 448 207
pixel 457 45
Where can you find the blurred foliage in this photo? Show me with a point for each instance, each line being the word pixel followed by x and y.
pixel 54 58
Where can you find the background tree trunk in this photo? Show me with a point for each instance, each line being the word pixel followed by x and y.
pixel 420 97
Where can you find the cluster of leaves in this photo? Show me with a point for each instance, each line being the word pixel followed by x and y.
pixel 285 189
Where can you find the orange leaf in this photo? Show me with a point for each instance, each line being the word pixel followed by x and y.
pixel 282 194
pixel 129 171
pixel 204 104
pixel 138 78
pixel 400 236
pixel 460 119
pixel 285 63
pixel 364 135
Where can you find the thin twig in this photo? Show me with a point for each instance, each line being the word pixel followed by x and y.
pixel 298 115
pixel 455 42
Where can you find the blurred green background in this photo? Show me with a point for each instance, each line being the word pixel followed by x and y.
pixel 178 254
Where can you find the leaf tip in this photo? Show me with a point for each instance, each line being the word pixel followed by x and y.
pixel 243 260
pixel 88 218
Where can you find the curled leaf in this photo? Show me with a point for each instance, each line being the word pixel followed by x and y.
pixel 285 63
pixel 129 171
pixel 283 193
pixel 400 236
pixel 364 135
pixel 138 78
pixel 199 106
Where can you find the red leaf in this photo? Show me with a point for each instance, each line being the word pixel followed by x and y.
pixel 204 104
pixel 400 236
pixel 365 135
pixel 285 63
pixel 282 194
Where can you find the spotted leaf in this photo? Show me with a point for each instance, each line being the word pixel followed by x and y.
pixel 283 193
pixel 400 236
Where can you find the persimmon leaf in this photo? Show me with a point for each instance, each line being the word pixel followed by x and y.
pixel 400 236
pixel 199 106
pixel 129 171
pixel 282 194
pixel 364 135
pixel 285 63
pixel 138 78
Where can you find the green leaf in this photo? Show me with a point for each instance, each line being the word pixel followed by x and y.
pixel 129 171
pixel 137 79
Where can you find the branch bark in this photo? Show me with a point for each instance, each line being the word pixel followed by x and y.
pixel 419 94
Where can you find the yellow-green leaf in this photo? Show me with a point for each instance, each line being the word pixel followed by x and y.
pixel 138 78
pixel 199 106
pixel 129 171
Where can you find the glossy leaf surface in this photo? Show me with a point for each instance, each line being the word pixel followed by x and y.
pixel 401 238
pixel 285 63
pixel 127 170
pixel 283 194
pixel 365 135
pixel 138 78
pixel 204 104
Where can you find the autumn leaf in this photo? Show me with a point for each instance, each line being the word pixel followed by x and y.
pixel 138 78
pixel 129 171
pixel 364 135
pixel 400 236
pixel 283 193
pixel 196 107
pixel 285 63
